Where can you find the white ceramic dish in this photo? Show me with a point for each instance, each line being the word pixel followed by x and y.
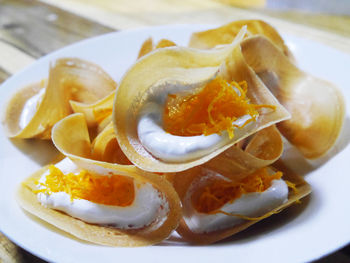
pixel 304 232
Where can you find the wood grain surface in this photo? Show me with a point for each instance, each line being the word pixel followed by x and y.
pixel 37 29
pixel 124 14
pixel 3 75
pixel 30 29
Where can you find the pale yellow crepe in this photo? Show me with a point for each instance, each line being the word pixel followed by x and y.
pixel 317 106
pixel 226 34
pixel 190 68
pixel 263 149
pixel 96 112
pixel 101 234
pixel 71 138
pixel 105 147
pixel 69 79
pixel 183 181
pixel 148 46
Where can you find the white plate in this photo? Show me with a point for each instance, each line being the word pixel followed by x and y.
pixel 318 226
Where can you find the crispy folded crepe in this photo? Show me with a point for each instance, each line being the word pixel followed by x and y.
pixel 148 46
pixel 261 149
pixel 316 120
pixel 184 181
pixel 69 79
pixel 86 81
pixel 105 147
pixel 317 106
pixel 258 151
pixel 225 35
pixel 153 233
pixel 188 69
pixel 71 138
pixel 96 112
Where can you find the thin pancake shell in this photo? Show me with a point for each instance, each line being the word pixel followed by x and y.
pixel 69 79
pixel 226 33
pixel 148 46
pixel 105 235
pixel 317 106
pixel 96 112
pixel 184 180
pixel 71 137
pixel 105 147
pixel 190 68
pixel 263 149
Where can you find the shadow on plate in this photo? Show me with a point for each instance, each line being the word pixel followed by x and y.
pixel 40 151
pixel 269 224
pixel 257 230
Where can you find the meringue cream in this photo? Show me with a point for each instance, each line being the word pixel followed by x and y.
pixel 164 144
pixel 30 108
pixel 251 205
pixel 143 210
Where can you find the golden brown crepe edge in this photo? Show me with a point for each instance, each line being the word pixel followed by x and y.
pixel 303 189
pixel 99 234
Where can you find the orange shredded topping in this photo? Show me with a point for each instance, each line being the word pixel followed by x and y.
pixel 212 110
pixel 219 192
pixel 116 190
pixel 292 186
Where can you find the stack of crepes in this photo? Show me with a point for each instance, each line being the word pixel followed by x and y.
pixel 190 140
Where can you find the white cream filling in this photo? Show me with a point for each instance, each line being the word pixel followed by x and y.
pixel 174 148
pixel 30 108
pixel 251 205
pixel 147 206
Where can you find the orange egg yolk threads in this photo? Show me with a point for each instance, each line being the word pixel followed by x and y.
pixel 116 190
pixel 212 110
pixel 219 192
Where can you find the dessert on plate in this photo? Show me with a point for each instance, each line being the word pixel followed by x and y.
pixel 189 140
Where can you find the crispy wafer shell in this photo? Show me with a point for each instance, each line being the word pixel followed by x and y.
pixel 14 110
pixel 183 181
pixel 71 138
pixel 105 235
pixel 148 46
pixel 317 106
pixel 192 68
pixel 263 149
pixel 69 79
pixel 226 33
pixel 96 112
pixel 105 147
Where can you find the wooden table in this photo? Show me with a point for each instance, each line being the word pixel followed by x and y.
pixel 30 29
